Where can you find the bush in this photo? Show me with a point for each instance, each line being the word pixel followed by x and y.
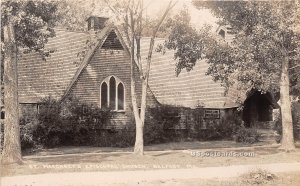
pixel 225 129
pixel 28 126
pixel 68 123
pixel 247 135
pixel 157 121
pixel 115 138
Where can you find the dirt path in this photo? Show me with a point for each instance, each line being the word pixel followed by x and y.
pixel 143 176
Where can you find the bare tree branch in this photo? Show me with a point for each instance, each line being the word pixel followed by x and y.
pixel 294 67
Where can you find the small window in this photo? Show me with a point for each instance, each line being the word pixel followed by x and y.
pixel 64 112
pixel 2 115
pixel 212 113
pixel 112 42
pixel 222 33
pixel 120 96
pixel 104 98
pixel 84 109
pixel 38 108
pixel 112 93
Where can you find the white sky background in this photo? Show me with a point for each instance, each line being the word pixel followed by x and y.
pixel 155 9
pixel 198 17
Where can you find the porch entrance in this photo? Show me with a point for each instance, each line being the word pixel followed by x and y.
pixel 258 110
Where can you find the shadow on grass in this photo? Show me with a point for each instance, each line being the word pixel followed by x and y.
pixel 164 154
pixel 76 159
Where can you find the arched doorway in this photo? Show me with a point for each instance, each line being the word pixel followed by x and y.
pixel 258 108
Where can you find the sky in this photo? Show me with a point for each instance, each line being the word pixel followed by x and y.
pixel 198 17
pixel 155 8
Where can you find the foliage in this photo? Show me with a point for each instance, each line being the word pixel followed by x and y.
pixel 265 35
pixel 73 13
pixel 33 21
pixel 263 53
pixel 187 42
pixel 25 26
pixel 247 135
pixel 115 138
pixel 162 121
pixel 157 120
pixel 28 125
pixel 224 129
pixel 166 115
pixel 67 123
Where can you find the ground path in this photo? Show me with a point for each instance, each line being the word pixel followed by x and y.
pixel 117 166
pixel 140 176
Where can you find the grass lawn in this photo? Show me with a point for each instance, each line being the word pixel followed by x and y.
pixel 119 161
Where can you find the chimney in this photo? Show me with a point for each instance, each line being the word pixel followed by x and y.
pixel 96 23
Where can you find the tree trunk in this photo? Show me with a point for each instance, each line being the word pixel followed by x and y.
pixel 12 147
pixel 140 117
pixel 139 138
pixel 287 140
pixel 139 141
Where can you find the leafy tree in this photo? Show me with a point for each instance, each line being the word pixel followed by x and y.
pixel 73 13
pixel 267 48
pixel 263 55
pixel 26 26
pixel 129 16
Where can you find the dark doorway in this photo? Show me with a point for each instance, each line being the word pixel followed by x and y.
pixel 258 107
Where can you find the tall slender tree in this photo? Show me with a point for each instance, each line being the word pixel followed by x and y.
pixel 130 15
pixel 26 26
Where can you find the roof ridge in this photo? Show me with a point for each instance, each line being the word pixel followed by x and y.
pixel 66 30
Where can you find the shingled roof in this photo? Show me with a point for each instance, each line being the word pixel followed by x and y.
pixel 189 89
pixel 38 78
pixel 56 75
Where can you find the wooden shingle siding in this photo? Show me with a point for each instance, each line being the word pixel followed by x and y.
pixel 104 63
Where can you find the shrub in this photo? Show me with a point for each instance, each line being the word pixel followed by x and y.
pixel 67 123
pixel 115 138
pixel 28 126
pixel 85 120
pixel 224 129
pixel 247 135
pixel 158 120
pixel 50 129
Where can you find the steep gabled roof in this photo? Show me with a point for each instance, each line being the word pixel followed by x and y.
pixel 39 78
pixel 102 39
pixel 55 76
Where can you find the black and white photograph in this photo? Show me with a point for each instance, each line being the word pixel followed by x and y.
pixel 150 92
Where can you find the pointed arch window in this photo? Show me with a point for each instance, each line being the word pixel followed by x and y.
pixel 104 96
pixel 121 96
pixel 112 94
